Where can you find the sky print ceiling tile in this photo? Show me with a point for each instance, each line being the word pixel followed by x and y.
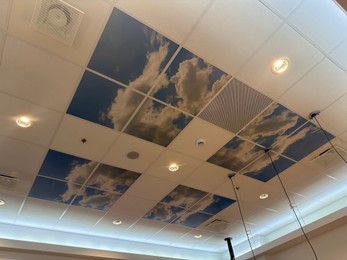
pixel 66 167
pixel 189 83
pixel 53 190
pixel 263 170
pixel 192 219
pixel 131 52
pixel 164 212
pixel 96 199
pixel 103 102
pixel 303 142
pixel 274 125
pixel 157 123
pixel 212 204
pixel 236 154
pixel 183 196
pixel 109 178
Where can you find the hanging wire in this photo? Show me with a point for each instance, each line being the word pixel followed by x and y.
pixel 267 151
pixel 313 115
pixel 242 218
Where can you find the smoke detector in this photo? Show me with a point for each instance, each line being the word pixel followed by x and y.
pixel 57 19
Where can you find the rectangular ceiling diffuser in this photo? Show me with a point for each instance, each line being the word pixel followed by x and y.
pixel 57 19
pixel 329 157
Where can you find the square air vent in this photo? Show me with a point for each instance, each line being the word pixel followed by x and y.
pixel 57 19
pixel 329 157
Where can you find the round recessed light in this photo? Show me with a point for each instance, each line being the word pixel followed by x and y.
pixel 198 236
pixel 200 142
pixel 173 167
pixel 23 121
pixel 116 222
pixel 2 202
pixel 281 65
pixel 133 155
pixel 263 196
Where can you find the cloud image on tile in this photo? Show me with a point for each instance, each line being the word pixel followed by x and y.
pixel 192 219
pixel 95 199
pixel 263 170
pixel 164 212
pixel 109 178
pixel 274 124
pixel 236 154
pixel 303 142
pixel 191 83
pixel 66 167
pixel 157 123
pixel 50 189
pixel 183 196
pixel 103 102
pixel 212 204
pixel 131 52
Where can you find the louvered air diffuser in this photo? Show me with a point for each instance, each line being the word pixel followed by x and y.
pixel 57 19
pixel 329 157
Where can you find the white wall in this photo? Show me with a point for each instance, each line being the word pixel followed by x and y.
pixel 331 245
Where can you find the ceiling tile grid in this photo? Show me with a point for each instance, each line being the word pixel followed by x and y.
pixel 130 114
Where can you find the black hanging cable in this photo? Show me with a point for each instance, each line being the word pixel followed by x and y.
pixel 290 202
pixel 231 175
pixel 313 115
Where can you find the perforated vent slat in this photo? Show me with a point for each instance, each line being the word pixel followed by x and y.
pixel 235 106
pixel 57 19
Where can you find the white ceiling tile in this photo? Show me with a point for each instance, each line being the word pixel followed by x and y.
pixel 334 116
pixel 189 241
pixel 308 18
pixel 96 15
pixel 32 212
pixel 338 171
pixel 160 167
pixel 19 159
pixel 79 219
pixel 148 152
pixel 154 12
pixel 261 215
pixel 45 79
pixel 133 206
pixel 317 89
pixel 214 137
pixel 144 187
pixel 106 228
pixel 72 130
pixel 339 54
pixel 283 7
pixel 143 230
pixel 4 8
pixel 207 177
pixel 44 121
pixel 11 207
pixel 169 234
pixel 284 43
pixel 221 40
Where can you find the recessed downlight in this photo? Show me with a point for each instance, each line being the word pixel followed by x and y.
pixel 280 65
pixel 198 236
pixel 117 222
pixel 173 167
pixel 23 121
pixel 133 155
pixel 263 196
pixel 2 202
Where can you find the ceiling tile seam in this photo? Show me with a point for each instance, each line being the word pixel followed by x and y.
pixel 213 98
pixel 2 44
pixel 335 61
pixel 275 11
pixel 91 227
pixel 20 208
pixel 8 15
pixel 25 141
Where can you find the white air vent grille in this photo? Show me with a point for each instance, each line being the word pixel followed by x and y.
pixel 329 157
pixel 217 225
pixel 7 182
pixel 57 19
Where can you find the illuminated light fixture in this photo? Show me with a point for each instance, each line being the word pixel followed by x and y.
pixel 281 65
pixel 173 167
pixel 198 236
pixel 116 222
pixel 263 196
pixel 2 202
pixel 23 121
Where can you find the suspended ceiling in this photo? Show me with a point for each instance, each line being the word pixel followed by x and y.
pixel 153 77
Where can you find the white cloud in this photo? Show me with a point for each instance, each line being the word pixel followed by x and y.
pixel 99 201
pixel 185 197
pixel 162 212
